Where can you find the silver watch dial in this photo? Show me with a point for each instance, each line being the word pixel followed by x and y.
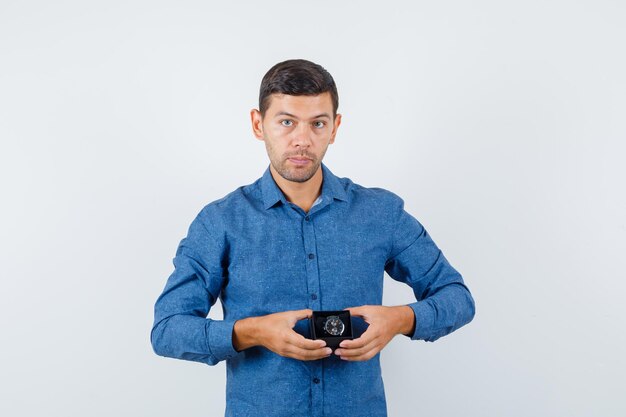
pixel 334 326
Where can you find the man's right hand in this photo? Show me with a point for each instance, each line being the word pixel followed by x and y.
pixel 275 332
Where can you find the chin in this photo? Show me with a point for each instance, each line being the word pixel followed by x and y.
pixel 296 176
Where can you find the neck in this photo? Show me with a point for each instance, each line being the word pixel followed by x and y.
pixel 302 194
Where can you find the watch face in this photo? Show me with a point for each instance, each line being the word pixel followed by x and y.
pixel 334 326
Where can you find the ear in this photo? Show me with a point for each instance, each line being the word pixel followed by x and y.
pixel 257 124
pixel 336 124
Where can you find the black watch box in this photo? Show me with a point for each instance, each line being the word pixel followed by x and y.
pixel 331 326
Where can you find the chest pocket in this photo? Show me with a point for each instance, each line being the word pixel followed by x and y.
pixel 267 270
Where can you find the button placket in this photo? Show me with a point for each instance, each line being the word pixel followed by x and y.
pixel 312 273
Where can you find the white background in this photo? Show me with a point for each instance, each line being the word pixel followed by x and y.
pixel 501 124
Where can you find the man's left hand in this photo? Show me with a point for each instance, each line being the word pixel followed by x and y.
pixel 384 324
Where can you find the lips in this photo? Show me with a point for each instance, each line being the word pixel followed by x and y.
pixel 299 161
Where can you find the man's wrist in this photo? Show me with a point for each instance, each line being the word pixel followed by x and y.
pixel 245 334
pixel 406 321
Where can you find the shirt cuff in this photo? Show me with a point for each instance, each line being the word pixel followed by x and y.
pixel 221 339
pixel 424 320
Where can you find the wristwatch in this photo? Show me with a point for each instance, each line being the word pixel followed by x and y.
pixel 334 326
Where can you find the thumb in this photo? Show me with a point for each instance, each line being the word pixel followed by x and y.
pixel 301 314
pixel 359 311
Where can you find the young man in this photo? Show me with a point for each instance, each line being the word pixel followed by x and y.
pixel 298 240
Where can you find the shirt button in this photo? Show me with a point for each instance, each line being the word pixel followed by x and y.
pixel 311 256
pixel 314 296
pixel 316 380
pixel 307 218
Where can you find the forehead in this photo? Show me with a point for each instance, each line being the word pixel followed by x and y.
pixel 301 106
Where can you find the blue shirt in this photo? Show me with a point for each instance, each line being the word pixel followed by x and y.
pixel 262 254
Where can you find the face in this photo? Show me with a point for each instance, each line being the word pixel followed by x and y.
pixel 297 131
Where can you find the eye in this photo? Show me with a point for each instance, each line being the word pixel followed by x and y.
pixel 319 124
pixel 286 123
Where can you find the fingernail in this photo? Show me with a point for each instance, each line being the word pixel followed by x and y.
pixel 329 351
pixel 337 352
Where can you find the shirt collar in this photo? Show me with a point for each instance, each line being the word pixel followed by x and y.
pixel 331 188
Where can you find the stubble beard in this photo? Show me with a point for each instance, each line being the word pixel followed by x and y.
pixel 295 173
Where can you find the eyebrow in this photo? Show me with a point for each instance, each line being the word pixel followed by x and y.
pixel 319 116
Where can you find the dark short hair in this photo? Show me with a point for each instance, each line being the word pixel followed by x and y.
pixel 297 77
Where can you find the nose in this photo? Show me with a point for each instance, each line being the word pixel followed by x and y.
pixel 302 135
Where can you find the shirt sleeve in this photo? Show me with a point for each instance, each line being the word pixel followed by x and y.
pixel 444 302
pixel 181 328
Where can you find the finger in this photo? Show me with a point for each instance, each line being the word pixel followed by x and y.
pixel 300 314
pixel 364 357
pixel 359 311
pixel 352 353
pixel 295 352
pixel 367 336
pixel 302 342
